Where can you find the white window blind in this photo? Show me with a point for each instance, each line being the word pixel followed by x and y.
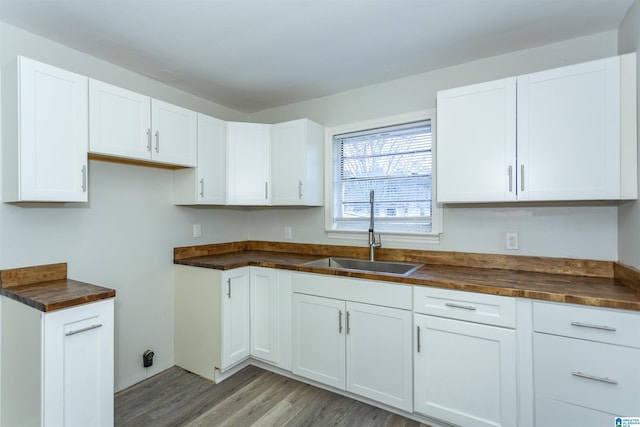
pixel 395 162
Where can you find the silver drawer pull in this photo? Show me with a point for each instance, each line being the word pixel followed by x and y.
pixel 88 328
pixel 589 325
pixel 464 307
pixel 593 377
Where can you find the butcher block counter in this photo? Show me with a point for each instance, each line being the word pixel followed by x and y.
pixel 47 288
pixel 587 282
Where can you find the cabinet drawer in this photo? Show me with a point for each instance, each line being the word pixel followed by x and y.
pixel 555 413
pixel 589 323
pixel 594 375
pixel 469 306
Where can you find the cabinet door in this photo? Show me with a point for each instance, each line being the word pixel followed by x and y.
pixel 248 166
pixel 235 317
pixel 318 339
pixel 174 134
pixel 288 146
pixel 53 134
pixel 265 312
pixel 569 132
pixel 297 163
pixel 379 354
pixel 78 366
pixel 119 122
pixel 465 373
pixel 212 160
pixel 476 142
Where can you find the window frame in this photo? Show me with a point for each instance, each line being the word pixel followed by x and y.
pixel 390 238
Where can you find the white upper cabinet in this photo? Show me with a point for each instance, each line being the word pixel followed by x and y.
pixel 132 126
pixel 175 133
pixel 296 163
pixel 569 133
pixel 476 141
pixel 206 184
pixel 573 138
pixel 44 141
pixel 248 163
pixel 254 164
pixel 131 111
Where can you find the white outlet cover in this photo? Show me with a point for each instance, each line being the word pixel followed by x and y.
pixel 512 242
pixel 197 230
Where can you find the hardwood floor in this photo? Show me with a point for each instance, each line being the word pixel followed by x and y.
pixel 252 397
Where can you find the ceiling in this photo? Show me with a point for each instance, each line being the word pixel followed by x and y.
pixel 250 55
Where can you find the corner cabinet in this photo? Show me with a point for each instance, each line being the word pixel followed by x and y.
pixel 562 134
pixel 297 163
pixel 351 345
pixel 224 317
pixel 44 139
pixel 465 357
pixel 57 367
pixel 254 164
pixel 128 125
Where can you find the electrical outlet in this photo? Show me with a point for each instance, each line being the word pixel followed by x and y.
pixel 512 242
pixel 197 230
pixel 288 233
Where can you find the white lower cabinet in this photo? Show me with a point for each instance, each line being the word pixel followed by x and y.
pixel 57 367
pixel 211 331
pixel 361 348
pixel 224 317
pixel 271 316
pixel 465 370
pixel 465 373
pixel 236 345
pixel 586 364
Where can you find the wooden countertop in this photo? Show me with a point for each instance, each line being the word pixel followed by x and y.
pixel 588 289
pixel 46 288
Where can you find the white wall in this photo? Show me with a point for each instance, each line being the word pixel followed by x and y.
pixel 124 237
pixel 560 230
pixel 629 212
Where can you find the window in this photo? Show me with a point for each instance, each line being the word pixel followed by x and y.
pixel 394 161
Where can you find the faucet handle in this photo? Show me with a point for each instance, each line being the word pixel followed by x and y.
pixel 377 243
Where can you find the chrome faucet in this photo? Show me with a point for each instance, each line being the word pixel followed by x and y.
pixel 372 238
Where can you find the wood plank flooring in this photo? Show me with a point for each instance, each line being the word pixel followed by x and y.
pixel 252 397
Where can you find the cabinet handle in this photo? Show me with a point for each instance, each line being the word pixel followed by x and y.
pixel 521 177
pixel 84 178
pixel 88 328
pixel 589 325
pixel 348 317
pixel 201 187
pixel 418 333
pixel 266 190
pixel 229 287
pixel 339 321
pixel 157 141
pixel 149 140
pixel 510 178
pixel 595 378
pixel 464 307
pixel 300 189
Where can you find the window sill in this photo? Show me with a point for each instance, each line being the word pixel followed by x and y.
pixel 403 241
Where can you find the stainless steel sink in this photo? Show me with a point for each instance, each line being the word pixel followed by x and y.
pixel 388 267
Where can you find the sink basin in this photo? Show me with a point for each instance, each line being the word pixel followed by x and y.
pixel 388 267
